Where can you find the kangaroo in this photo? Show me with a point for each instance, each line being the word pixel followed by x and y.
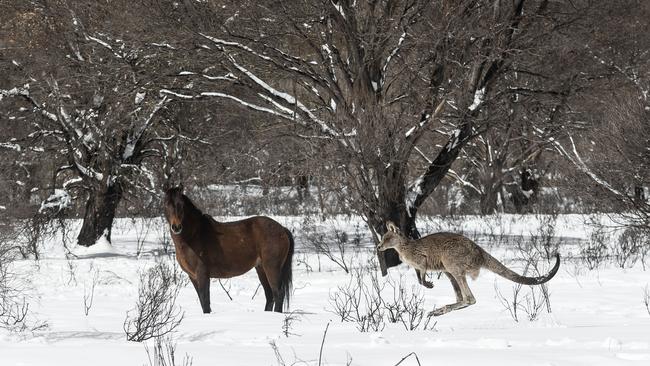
pixel 456 256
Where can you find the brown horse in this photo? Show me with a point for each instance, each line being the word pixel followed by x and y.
pixel 208 249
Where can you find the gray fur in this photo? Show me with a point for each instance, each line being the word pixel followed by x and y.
pixel 457 256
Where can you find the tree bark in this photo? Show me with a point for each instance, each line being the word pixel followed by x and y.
pixel 489 199
pixel 99 214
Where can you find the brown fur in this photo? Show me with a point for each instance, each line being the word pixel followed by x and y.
pixel 456 256
pixel 208 249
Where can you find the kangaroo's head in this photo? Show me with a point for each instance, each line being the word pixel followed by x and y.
pixel 392 239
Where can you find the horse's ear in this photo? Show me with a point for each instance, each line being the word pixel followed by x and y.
pixel 391 227
pixel 180 187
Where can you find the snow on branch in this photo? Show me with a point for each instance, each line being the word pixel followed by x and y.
pixel 413 191
pixel 462 181
pixel 330 57
pixel 222 42
pixel 577 161
pixel 10 146
pixel 286 98
pixel 227 77
pixel 24 93
pixel 479 96
pixel 134 138
pixel 391 55
pixel 227 96
pixel 58 201
pixel 415 131
pixel 282 60
pixel 88 172
pixel 339 8
pixel 105 45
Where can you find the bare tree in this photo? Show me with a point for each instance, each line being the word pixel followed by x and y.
pixel 610 154
pixel 92 107
pixel 377 85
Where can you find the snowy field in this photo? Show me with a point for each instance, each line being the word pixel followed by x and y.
pixel 598 317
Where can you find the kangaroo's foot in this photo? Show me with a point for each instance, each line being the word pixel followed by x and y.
pixel 447 308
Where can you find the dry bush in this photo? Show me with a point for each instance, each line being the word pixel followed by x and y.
pixel 155 313
pixel 364 301
pixel 15 314
pixel 360 303
pixel 631 246
pixel 336 246
pixel 537 298
pixel 164 353
pixel 594 252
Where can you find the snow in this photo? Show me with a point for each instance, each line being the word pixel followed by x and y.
pixel 415 189
pixel 101 248
pixel 339 8
pixel 72 181
pixel 58 201
pixel 392 54
pixel 139 97
pixel 10 146
pixel 333 104
pixel 455 140
pixel 598 317
pixel 479 94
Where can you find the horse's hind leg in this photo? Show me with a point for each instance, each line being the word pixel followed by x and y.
pixel 273 274
pixel 268 293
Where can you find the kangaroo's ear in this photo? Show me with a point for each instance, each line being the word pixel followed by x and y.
pixel 391 227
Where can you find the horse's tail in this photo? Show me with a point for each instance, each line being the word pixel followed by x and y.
pixel 286 279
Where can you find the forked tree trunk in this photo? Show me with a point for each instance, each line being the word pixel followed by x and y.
pixel 397 210
pixel 392 207
pixel 489 199
pixel 99 214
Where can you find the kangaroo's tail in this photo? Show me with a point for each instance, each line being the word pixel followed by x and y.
pixel 497 267
pixel 286 281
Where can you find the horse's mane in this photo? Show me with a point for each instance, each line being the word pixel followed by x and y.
pixel 190 206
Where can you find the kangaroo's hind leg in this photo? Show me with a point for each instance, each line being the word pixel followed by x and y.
pixel 456 286
pixel 466 300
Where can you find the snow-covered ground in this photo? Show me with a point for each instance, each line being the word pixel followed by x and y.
pixel 598 317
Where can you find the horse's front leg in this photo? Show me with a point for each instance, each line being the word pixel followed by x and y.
pixel 202 286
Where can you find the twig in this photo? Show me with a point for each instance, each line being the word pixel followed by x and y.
pixel 409 355
pixel 255 293
pixel 320 354
pixel 224 289
pixel 646 298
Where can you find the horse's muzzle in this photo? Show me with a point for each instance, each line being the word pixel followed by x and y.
pixel 176 229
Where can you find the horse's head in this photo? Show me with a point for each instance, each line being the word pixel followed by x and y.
pixel 175 209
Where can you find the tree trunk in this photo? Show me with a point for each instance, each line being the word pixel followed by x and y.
pixel 488 201
pixel 392 207
pixel 99 214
